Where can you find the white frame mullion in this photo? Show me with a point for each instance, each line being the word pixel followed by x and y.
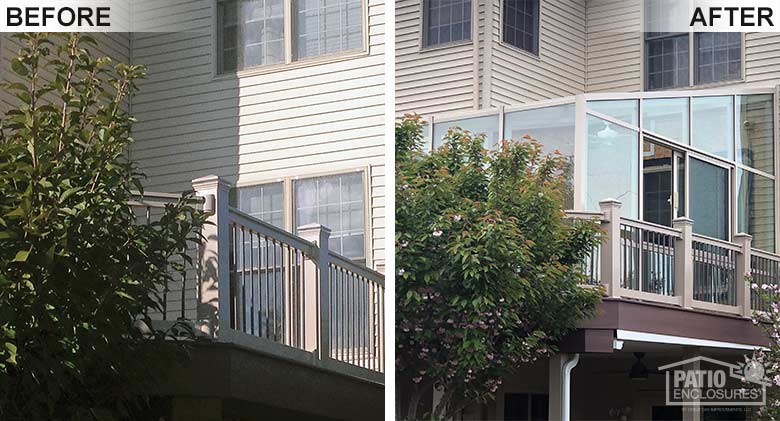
pixel 288 31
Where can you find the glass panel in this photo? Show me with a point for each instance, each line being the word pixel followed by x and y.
pixel 612 166
pixel 755 147
pixel 487 125
pixel 521 24
pixel 328 27
pixel 666 116
pixel 709 201
pixel 447 21
pixel 667 61
pixel 718 57
pixel 336 202
pixel 756 209
pixel 623 110
pixel 252 33
pixel 553 127
pixel 713 125
pixel 265 202
pixel 657 183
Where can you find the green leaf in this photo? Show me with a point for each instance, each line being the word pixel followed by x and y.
pixel 21 256
pixel 18 67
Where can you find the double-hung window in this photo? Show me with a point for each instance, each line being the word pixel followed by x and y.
pixel 521 24
pixel 683 59
pixel 446 22
pixel 253 33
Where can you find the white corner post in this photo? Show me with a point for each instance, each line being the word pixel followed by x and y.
pixel 561 366
pixel 214 288
pixel 745 243
pixel 683 261
pixel 316 317
pixel 610 247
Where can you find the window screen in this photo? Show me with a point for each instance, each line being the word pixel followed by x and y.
pixel 447 21
pixel 521 24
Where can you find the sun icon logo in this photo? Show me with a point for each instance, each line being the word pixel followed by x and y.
pixel 752 371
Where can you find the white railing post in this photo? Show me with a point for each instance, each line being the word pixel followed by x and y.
pixel 317 296
pixel 683 261
pixel 214 288
pixel 610 248
pixel 745 243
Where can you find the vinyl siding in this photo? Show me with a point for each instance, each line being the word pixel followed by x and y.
pixel 520 77
pixel 614 46
pixel 435 80
pixel 263 125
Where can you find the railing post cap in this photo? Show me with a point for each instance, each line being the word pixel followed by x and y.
pixel 610 202
pixel 311 228
pixel 210 182
pixel 682 220
pixel 742 236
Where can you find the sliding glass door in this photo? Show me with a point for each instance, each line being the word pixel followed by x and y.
pixel 709 187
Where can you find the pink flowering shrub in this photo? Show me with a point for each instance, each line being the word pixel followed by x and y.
pixel 488 268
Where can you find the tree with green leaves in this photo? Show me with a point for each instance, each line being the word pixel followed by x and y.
pixel 77 273
pixel 489 268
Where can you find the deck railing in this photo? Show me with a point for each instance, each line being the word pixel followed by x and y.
pixel 259 286
pixel 765 270
pixel 672 265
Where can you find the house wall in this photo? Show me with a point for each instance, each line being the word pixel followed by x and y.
pixel 260 125
pixel 614 46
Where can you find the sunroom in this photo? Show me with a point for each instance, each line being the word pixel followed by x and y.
pixel 683 182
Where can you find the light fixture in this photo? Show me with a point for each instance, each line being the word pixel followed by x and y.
pixel 638 370
pixel 607 132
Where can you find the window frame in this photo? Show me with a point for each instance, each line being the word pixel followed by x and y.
pixel 501 14
pixel 422 30
pixel 289 45
pixel 289 206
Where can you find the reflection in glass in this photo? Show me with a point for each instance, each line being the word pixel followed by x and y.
pixel 553 127
pixel 623 110
pixel 657 183
pixel 667 117
pixel 756 130
pixel 756 209
pixel 337 203
pixel 612 163
pixel 265 202
pixel 487 125
pixel 709 199
pixel 713 125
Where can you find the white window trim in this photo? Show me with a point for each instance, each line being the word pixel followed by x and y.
pixel 538 55
pixel 288 199
pixel 289 46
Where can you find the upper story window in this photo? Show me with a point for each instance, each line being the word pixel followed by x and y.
pixel 675 60
pixel 446 21
pixel 256 33
pixel 521 24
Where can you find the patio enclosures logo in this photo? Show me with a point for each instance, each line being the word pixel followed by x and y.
pixel 96 15
pixel 706 381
